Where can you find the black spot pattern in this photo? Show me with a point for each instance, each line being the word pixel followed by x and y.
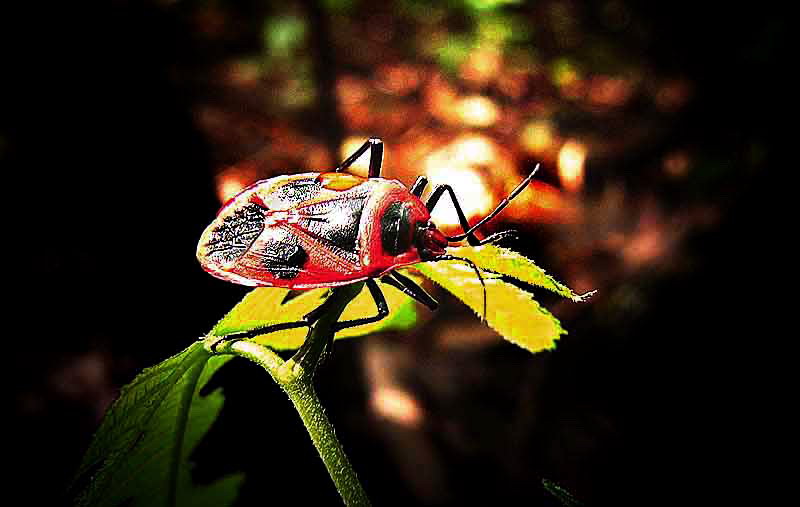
pixel 284 259
pixel 234 235
pixel 335 223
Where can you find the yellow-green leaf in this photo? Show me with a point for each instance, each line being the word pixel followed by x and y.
pixel 510 263
pixel 266 306
pixel 510 310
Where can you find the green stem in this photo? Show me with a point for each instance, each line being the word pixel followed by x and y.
pixel 330 450
pixel 296 378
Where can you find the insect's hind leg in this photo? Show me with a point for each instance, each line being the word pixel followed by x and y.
pixel 308 320
pixel 375 147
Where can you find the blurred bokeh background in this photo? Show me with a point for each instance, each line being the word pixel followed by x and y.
pixel 125 125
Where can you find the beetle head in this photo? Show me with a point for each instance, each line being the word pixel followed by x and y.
pixel 430 241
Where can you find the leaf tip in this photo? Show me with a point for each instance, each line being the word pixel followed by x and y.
pixel 581 298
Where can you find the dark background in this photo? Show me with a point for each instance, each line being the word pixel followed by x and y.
pixel 650 398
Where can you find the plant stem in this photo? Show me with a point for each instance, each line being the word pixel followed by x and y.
pixel 296 378
pixel 330 450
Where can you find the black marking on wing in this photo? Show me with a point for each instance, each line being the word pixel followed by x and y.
pixel 234 235
pixel 283 258
pixel 298 191
pixel 335 223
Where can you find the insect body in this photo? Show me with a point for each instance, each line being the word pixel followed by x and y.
pixel 329 229
pixel 318 230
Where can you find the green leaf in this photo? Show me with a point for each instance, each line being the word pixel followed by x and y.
pixel 268 305
pixel 563 496
pixel 140 455
pixel 510 310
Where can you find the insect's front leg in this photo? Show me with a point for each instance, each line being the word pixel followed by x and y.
pixel 411 289
pixel 433 200
pixel 469 231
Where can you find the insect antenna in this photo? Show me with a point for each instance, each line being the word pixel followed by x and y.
pixel 448 257
pixel 519 188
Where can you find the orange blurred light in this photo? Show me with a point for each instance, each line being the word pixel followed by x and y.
pixel 245 73
pixel 676 164
pixel 399 79
pixel 673 95
pixel 478 111
pixel 396 405
pixel 357 116
pixel 318 158
pixel 543 203
pixel 351 90
pixel 233 180
pixel 474 149
pixel 571 159
pixel 653 238
pixel 537 137
pixel 513 84
pixel 481 66
pixel 645 247
pixel 458 165
pixel 609 91
pixel 441 99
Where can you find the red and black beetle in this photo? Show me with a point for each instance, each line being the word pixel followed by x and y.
pixel 329 229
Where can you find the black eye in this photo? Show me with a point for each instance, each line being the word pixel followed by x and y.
pixel 396 229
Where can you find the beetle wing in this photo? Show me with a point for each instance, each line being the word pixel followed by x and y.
pixel 310 235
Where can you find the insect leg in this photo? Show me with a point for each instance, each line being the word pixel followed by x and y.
pixel 375 147
pixel 410 288
pixel 419 186
pixel 469 231
pixel 245 335
pixel 380 303
pixel 519 188
pixel 433 200
pixel 308 319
